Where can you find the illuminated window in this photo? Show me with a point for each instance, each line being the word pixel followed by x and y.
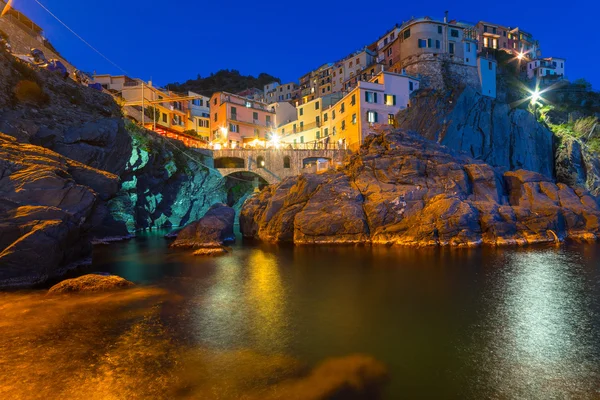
pixel 372 117
pixel 390 99
pixel 391 119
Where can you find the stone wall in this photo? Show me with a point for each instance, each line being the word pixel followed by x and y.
pixel 22 40
pixel 441 72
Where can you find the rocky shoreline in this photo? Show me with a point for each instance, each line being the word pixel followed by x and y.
pixel 402 189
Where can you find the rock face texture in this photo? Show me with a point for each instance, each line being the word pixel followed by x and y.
pixel 47 207
pixel 164 184
pixel 90 283
pixel 483 128
pixel 403 189
pixel 577 166
pixel 211 231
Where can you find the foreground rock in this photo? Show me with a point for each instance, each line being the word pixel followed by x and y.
pixel 90 283
pixel 403 189
pixel 47 208
pixel 212 231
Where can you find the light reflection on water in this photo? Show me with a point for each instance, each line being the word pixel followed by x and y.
pixel 473 323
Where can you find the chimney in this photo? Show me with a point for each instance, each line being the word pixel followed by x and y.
pixel 445 17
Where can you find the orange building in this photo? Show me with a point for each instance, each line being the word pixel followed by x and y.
pixel 238 121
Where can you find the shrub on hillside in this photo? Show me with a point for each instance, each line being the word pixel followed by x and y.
pixel 584 126
pixel 30 92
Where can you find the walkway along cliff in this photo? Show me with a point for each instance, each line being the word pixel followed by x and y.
pixel 402 189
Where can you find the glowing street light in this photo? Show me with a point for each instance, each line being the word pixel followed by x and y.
pixel 535 96
pixel 275 140
pixel 520 55
pixel 223 131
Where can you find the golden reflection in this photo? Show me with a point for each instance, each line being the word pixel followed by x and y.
pixel 267 299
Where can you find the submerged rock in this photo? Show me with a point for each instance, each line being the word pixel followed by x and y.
pixel 90 283
pixel 213 230
pixel 403 189
pixel 351 377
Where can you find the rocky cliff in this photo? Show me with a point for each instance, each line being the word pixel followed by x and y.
pixel 406 190
pixel 73 171
pixel 47 208
pixel 484 128
pixel 164 184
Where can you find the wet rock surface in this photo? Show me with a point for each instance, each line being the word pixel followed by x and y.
pixel 405 190
pixel 90 283
pixel 211 231
pixel 47 208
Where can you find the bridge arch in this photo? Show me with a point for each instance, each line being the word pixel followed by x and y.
pixel 240 184
pixel 229 162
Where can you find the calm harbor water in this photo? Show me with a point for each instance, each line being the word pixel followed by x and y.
pixel 464 324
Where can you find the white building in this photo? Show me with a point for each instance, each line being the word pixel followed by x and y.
pixel 552 67
pixel 486 68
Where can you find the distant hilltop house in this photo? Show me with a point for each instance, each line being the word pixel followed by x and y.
pixel 24 34
pixel 336 104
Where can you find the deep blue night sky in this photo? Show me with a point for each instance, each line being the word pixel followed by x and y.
pixel 176 40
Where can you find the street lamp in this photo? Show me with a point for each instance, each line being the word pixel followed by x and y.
pixel 535 96
pixel 275 140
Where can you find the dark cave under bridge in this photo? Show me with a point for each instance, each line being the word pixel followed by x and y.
pixel 275 164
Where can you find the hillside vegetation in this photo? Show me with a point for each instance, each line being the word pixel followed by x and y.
pixel 224 80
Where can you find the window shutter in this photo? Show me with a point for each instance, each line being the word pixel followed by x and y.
pixel 374 97
pixel 375 116
pixel 367 96
pixel 394 99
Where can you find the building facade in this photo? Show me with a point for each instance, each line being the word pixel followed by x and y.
pixel 237 121
pixel 348 118
pixel 546 68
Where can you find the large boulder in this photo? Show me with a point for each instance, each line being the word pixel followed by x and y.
pixel 213 230
pixel 90 283
pixel 47 204
pixel 406 190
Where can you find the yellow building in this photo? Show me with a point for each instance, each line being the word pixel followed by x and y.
pixel 345 122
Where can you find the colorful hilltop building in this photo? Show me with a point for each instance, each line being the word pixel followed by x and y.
pixel 337 103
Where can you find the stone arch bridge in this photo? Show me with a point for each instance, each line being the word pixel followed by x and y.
pixel 275 164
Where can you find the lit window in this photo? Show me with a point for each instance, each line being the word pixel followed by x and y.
pixel 372 117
